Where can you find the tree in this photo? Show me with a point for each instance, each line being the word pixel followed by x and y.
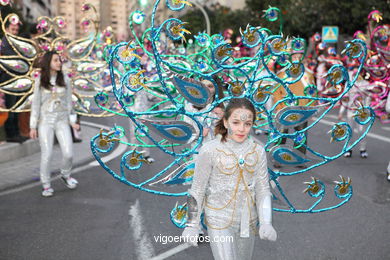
pixel 305 17
pixel 221 18
pixel 300 17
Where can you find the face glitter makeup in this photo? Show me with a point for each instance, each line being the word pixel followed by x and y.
pixel 242 114
pixel 230 130
pixel 243 117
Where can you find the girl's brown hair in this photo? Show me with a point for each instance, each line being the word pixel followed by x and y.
pixel 45 71
pixel 233 104
pixel 219 82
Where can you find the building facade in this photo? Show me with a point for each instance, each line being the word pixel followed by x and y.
pixel 112 13
pixel 32 9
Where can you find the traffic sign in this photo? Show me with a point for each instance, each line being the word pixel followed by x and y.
pixel 330 33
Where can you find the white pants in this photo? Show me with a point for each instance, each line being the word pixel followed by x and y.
pixel 231 246
pixel 46 131
pixel 355 125
pixel 388 167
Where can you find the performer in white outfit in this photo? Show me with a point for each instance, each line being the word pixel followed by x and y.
pixel 142 102
pixel 359 92
pixel 51 114
pixel 232 186
pixel 214 115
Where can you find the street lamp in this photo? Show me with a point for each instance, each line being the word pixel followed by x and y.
pixel 204 14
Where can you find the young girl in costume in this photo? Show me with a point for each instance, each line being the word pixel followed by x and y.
pixel 216 113
pixel 356 94
pixel 142 102
pixel 51 114
pixel 231 184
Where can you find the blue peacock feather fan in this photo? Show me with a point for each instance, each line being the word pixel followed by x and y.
pixel 176 131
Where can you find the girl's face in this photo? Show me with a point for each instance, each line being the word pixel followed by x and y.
pixel 210 86
pixel 55 63
pixel 239 124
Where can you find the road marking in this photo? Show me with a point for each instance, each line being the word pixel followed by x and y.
pixel 95 125
pixel 144 247
pixel 372 135
pixel 172 251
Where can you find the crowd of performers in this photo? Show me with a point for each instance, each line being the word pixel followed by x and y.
pixel 231 172
pixel 372 87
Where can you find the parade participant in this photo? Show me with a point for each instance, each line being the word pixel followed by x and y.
pixel 213 116
pixel 51 113
pixel 11 126
pixel 231 185
pixel 357 96
pixel 321 69
pixel 141 103
pixel 24 117
pixel 3 118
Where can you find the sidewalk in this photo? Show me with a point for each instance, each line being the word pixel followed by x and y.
pixel 25 170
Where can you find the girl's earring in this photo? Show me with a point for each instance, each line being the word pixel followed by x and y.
pixel 230 131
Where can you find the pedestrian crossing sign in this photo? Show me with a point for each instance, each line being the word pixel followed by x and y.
pixel 330 33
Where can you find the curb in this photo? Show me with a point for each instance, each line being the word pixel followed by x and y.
pixel 15 151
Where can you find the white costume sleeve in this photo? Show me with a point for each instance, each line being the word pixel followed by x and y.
pixel 262 190
pixel 203 168
pixel 35 104
pixel 69 103
pixel 263 201
pixel 196 196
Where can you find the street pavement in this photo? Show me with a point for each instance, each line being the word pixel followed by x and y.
pixel 105 219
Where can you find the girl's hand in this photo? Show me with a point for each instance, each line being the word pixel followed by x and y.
pixel 267 232
pixel 191 235
pixel 33 133
pixel 76 126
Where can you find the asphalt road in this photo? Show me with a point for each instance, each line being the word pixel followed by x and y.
pixel 105 219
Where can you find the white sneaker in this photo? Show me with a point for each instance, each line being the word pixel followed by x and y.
pixel 348 154
pixel 70 182
pixel 47 192
pixel 388 176
pixel 363 154
pixel 149 159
